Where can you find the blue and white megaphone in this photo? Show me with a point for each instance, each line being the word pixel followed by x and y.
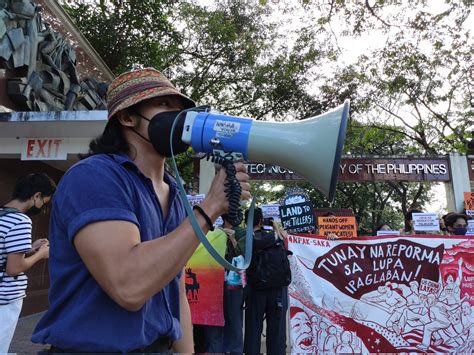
pixel 311 147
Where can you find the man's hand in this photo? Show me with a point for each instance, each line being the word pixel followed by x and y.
pixel 332 236
pixel 215 203
pixel 43 251
pixel 38 243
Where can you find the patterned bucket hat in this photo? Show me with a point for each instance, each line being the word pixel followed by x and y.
pixel 135 86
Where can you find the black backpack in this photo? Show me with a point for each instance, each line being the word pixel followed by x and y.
pixel 270 266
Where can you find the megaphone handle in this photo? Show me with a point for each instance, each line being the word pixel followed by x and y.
pixel 202 237
pixel 233 188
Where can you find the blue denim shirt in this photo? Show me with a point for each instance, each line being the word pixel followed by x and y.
pixel 81 315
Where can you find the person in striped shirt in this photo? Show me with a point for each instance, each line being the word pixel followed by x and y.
pixel 17 252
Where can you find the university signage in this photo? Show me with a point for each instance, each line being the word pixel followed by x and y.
pixel 368 169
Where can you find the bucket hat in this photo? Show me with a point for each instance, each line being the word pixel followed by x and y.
pixel 135 86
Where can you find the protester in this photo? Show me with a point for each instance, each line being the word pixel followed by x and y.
pixel 410 224
pixel 330 236
pixel 17 253
pixel 384 227
pixel 233 289
pixel 119 234
pixel 268 275
pixel 456 223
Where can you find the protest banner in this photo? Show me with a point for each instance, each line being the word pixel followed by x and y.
pixel 425 222
pixel 382 294
pixel 204 280
pixel 343 227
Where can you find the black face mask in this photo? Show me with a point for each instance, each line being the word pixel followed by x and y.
pixel 460 231
pixel 159 131
pixel 33 211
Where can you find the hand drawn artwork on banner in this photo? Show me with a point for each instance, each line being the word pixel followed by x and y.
pixel 382 294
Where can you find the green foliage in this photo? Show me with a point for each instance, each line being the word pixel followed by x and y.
pixel 411 95
pixel 126 33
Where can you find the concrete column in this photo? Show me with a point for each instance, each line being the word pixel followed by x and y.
pixel 206 174
pixel 459 182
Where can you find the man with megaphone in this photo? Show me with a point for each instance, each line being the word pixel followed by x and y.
pixel 119 235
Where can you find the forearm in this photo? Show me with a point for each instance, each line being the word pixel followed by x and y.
pixel 21 264
pixel 150 266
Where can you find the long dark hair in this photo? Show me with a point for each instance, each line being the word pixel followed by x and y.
pixel 111 141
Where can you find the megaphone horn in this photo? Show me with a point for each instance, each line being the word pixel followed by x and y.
pixel 311 147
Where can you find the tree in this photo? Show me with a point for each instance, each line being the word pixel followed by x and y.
pixel 127 33
pixel 419 80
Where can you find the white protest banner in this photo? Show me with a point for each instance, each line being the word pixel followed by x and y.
pixel 271 211
pixel 426 222
pixel 381 233
pixel 382 294
pixel 470 213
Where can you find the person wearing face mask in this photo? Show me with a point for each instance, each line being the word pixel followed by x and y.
pixel 119 233
pixel 456 223
pixel 17 253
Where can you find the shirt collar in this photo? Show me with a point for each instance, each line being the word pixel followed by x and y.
pixel 124 160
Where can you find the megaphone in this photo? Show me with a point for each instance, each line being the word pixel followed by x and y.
pixel 311 147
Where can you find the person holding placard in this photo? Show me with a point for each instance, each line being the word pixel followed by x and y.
pixel 410 223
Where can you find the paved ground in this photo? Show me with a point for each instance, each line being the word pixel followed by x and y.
pixel 21 343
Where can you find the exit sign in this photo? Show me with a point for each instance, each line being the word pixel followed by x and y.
pixel 44 149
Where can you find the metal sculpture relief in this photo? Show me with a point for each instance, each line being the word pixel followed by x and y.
pixel 44 63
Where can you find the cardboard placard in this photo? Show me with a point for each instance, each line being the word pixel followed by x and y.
pixel 298 217
pixel 343 227
pixel 196 199
pixel 470 227
pixel 426 222
pixel 469 201
pixel 271 211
